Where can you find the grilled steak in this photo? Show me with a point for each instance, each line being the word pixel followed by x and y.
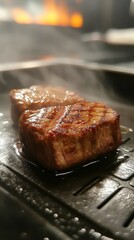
pixel 60 137
pixel 37 97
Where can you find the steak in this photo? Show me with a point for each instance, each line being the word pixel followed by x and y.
pixel 60 137
pixel 37 97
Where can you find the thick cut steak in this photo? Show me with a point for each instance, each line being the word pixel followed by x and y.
pixel 60 137
pixel 37 97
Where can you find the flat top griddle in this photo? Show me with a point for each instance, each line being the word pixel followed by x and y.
pixel 95 201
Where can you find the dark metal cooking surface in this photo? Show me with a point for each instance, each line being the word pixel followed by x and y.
pixel 92 202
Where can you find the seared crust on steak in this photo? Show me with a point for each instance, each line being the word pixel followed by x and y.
pixel 61 137
pixel 37 97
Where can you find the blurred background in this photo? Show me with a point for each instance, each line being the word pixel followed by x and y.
pixel 86 46
pixel 91 15
pixel 92 30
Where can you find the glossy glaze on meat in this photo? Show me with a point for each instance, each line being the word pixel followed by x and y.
pixel 37 97
pixel 61 137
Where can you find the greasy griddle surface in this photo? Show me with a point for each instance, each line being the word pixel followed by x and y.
pixel 92 201
pixel 100 194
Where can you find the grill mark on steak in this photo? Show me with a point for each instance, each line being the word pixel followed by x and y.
pixel 103 116
pixel 68 117
pixel 62 136
pixel 64 112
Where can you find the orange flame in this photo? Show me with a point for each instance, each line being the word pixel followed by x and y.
pixel 21 16
pixel 53 14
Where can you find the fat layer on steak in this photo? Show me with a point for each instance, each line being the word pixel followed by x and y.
pixel 37 97
pixel 61 137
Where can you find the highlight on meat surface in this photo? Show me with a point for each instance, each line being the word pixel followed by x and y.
pixel 60 137
pixel 37 97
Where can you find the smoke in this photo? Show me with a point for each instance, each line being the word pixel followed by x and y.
pixel 25 46
pixel 34 42
pixel 26 43
pixel 90 84
pixel 71 74
pixel 24 50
